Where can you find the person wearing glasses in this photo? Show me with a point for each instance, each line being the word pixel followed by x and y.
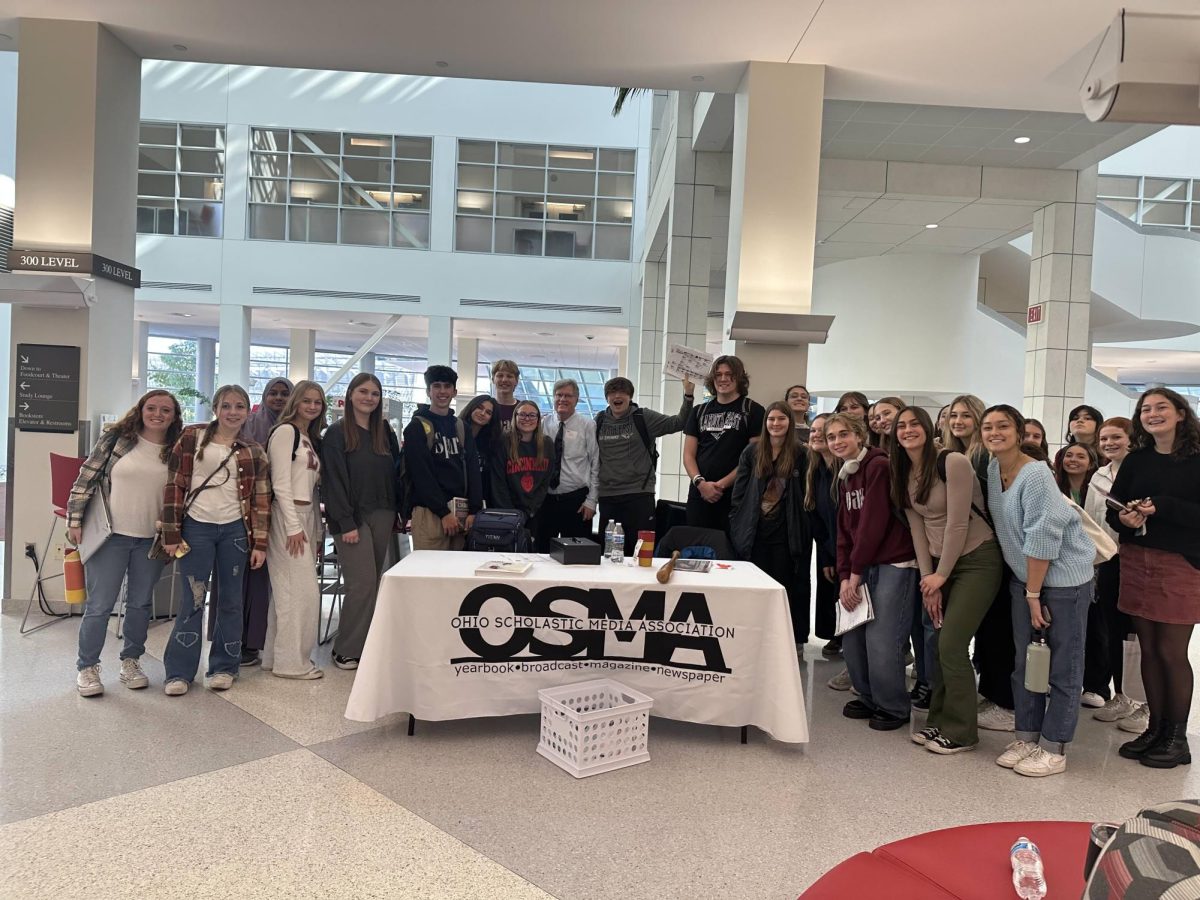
pixel 521 473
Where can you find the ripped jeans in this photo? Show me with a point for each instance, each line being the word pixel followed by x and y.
pixel 229 548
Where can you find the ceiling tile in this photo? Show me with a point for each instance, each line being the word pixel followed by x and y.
pixel 938 115
pixel 840 110
pixel 861 232
pixel 835 209
pixel 830 250
pixel 910 248
pixel 982 214
pixel 970 137
pixel 995 118
pixel 884 112
pixel 1044 159
pixel 899 152
pixel 909 133
pixel 999 156
pixel 849 149
pixel 907 212
pixel 865 131
pixel 1050 121
pixel 1071 142
pixel 957 237
pixel 947 155
pixel 826 228
pixel 1036 138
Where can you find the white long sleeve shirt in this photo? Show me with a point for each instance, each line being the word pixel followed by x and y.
pixel 581 456
pixel 292 479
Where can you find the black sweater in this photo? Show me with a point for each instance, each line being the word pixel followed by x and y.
pixel 354 484
pixel 1173 486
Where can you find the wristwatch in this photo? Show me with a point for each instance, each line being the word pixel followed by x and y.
pixel 699 478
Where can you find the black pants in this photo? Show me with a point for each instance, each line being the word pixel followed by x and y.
pixel 777 561
pixel 635 512
pixel 1104 648
pixel 702 514
pixel 825 614
pixel 256 597
pixel 995 649
pixel 559 515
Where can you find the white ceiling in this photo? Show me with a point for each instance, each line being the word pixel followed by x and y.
pixel 1020 54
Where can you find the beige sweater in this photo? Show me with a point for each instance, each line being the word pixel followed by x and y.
pixel 292 479
pixel 945 527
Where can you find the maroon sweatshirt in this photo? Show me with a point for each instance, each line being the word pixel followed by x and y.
pixel 869 533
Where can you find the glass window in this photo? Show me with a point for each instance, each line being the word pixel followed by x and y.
pixel 181 179
pixel 343 187
pixel 556 183
pixel 1165 189
pixel 1117 186
pixel 1154 213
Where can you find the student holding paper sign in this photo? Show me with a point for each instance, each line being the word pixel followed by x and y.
pixel 875 557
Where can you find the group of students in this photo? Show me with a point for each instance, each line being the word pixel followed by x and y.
pixel 957 531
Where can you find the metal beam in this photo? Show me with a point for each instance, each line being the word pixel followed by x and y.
pixel 368 345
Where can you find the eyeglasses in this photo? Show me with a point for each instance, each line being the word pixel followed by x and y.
pixel 527 415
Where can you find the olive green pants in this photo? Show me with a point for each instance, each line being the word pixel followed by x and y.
pixel 967 595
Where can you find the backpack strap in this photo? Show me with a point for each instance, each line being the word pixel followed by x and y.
pixel 941 470
pixel 639 422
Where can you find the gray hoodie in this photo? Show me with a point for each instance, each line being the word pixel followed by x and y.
pixel 624 460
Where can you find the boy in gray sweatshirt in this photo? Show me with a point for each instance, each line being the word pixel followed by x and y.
pixel 626 435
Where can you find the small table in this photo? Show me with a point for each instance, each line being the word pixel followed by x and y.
pixel 714 648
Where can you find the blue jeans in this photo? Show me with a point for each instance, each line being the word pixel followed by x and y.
pixel 228 547
pixel 874 652
pixel 1051 717
pixel 120 558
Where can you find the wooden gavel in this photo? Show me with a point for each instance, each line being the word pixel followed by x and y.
pixel 664 574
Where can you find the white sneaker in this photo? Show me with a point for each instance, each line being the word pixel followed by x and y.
pixel 220 681
pixel 840 681
pixel 1091 699
pixel 996 718
pixel 1014 753
pixel 176 687
pixel 1118 707
pixel 88 681
pixel 132 675
pixel 1040 763
pixel 1137 721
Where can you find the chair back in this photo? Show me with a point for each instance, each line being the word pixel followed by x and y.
pixel 63 472
pixel 681 537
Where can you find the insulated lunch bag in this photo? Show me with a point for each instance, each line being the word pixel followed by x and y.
pixel 499 531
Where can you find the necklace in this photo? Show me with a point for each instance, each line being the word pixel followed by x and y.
pixel 1007 477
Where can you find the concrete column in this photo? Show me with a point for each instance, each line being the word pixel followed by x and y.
pixel 206 377
pixel 365 364
pixel 441 340
pixel 78 98
pixel 233 365
pixel 443 176
pixel 1057 347
pixel 773 210
pixel 622 361
pixel 648 377
pixel 302 352
pixel 141 357
pixel 468 364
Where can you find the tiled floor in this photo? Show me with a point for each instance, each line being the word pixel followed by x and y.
pixel 267 791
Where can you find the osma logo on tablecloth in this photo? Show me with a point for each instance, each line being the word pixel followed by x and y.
pixel 527 631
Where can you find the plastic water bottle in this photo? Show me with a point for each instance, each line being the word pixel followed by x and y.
pixel 608 540
pixel 617 554
pixel 1029 879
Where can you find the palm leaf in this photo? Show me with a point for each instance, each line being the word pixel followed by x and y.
pixel 623 94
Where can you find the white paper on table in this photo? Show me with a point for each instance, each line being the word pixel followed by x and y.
pixel 687 362
pixel 848 620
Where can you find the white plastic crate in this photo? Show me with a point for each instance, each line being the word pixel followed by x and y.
pixel 594 726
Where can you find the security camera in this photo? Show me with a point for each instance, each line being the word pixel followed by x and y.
pixel 590 337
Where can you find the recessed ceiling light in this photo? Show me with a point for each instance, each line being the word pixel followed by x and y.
pixel 544 333
pixel 442 64
pixel 932 225
pixel 182 315
pixel 1021 140
pixel 179 47
pixel 697 78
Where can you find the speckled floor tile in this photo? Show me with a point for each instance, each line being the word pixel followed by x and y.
pixel 58 749
pixel 315 832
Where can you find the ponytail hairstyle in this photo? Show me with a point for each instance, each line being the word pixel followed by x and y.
pixel 902 466
pixel 211 428
pixel 291 412
pixel 131 423
pixel 764 465
pixel 375 425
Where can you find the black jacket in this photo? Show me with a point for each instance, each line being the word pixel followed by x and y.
pixel 823 520
pixel 745 510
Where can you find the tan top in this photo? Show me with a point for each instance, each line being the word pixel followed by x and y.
pixel 945 527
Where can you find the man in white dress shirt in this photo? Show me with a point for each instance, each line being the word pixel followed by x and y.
pixel 575 480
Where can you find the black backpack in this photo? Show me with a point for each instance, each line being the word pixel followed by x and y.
pixel 639 422
pixel 499 531
pixel 980 476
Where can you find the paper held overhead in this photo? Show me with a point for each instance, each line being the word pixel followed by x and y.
pixel 687 362
pixel 791 329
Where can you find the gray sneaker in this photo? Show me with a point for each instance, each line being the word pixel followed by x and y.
pixel 132 675
pixel 840 681
pixel 176 687
pixel 1119 707
pixel 1136 722
pixel 996 718
pixel 88 681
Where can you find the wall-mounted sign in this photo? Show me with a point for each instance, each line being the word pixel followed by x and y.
pixel 70 262
pixel 47 382
pixel 1035 315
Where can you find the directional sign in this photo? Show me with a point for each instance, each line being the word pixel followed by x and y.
pixel 47 379
pixel 74 263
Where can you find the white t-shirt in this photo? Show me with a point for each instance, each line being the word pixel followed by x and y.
pixel 136 495
pixel 219 503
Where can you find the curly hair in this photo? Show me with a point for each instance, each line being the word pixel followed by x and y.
pixel 1187 432
pixel 131 423
pixel 739 375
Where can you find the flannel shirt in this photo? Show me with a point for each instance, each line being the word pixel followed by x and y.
pixel 96 468
pixel 254 485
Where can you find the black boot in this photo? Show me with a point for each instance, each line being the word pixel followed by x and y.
pixel 1137 748
pixel 1171 750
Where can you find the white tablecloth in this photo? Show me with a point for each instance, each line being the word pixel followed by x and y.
pixel 714 648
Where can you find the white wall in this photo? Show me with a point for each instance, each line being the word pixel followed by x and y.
pixel 8 125
pixel 1171 153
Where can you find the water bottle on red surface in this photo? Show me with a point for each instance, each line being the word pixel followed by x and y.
pixel 1029 879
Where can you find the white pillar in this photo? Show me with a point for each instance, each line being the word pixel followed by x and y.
pixel 468 365
pixel 141 357
pixel 1057 348
pixel 622 360
pixel 773 210
pixel 443 176
pixel 233 366
pixel 206 377
pixel 302 352
pixel 366 363
pixel 441 340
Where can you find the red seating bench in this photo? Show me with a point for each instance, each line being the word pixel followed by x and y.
pixel 969 862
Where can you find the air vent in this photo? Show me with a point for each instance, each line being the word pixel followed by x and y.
pixel 176 286
pixel 716 313
pixel 335 295
pixel 542 307
pixel 6 236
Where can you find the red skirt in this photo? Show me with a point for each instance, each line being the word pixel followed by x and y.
pixel 1159 585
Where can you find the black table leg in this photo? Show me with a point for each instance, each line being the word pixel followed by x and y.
pixel 412 726
pixel 745 733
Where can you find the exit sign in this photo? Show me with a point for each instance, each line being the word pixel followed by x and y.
pixel 1035 315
